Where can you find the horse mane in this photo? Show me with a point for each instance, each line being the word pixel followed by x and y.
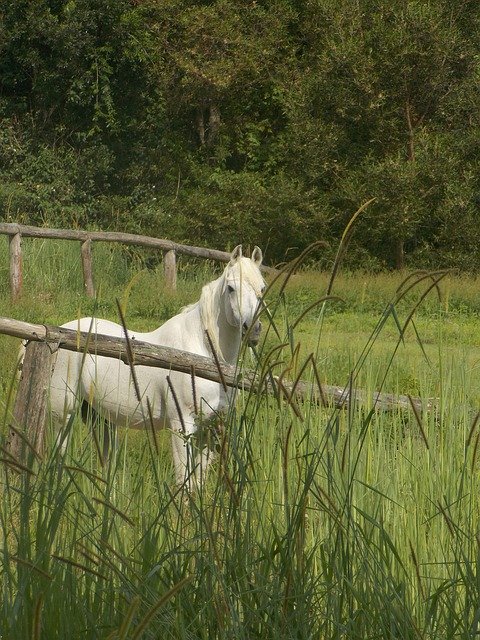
pixel 209 304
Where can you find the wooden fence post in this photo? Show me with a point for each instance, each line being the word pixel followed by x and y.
pixel 30 408
pixel 87 268
pixel 16 276
pixel 170 270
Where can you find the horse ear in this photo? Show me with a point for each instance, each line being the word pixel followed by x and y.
pixel 257 256
pixel 236 254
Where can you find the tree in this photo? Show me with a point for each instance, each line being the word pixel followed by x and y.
pixel 214 121
pixel 376 84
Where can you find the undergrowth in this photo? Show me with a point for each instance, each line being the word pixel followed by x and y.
pixel 315 522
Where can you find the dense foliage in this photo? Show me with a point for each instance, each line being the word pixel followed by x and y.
pixel 266 121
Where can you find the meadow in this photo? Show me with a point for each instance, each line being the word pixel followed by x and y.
pixel 315 522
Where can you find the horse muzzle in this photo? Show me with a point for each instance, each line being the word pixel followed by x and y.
pixel 252 333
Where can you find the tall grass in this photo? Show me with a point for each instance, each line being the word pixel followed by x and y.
pixel 314 522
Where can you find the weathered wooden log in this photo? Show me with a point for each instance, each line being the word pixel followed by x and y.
pixel 16 276
pixel 170 270
pixel 168 358
pixel 87 267
pixel 27 231
pixel 30 409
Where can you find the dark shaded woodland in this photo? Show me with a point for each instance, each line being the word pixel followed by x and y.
pixel 267 122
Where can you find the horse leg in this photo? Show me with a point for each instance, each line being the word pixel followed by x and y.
pixel 109 440
pixel 205 457
pixel 192 453
pixel 62 437
pixel 100 424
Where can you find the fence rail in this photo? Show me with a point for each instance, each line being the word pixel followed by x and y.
pixel 30 407
pixel 170 250
pixel 145 353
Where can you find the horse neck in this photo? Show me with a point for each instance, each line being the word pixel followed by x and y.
pixel 229 338
pixel 225 338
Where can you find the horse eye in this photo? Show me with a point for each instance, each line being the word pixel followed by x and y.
pixel 230 288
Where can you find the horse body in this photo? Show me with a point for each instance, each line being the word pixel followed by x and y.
pixel 227 309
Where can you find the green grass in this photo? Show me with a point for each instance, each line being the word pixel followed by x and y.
pixel 314 522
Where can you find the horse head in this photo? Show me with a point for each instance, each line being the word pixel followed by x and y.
pixel 243 288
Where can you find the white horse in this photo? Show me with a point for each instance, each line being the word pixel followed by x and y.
pixel 227 310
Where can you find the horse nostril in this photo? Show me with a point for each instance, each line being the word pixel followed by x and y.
pixel 245 327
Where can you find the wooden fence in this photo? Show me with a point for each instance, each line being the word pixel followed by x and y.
pixel 169 249
pixel 44 341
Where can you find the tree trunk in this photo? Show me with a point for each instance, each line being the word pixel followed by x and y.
pixel 399 254
pixel 207 134
pixel 213 124
pixel 200 120
pixel 411 131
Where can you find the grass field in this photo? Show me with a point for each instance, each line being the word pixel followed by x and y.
pixel 314 523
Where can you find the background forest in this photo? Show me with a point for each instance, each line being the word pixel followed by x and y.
pixel 266 122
